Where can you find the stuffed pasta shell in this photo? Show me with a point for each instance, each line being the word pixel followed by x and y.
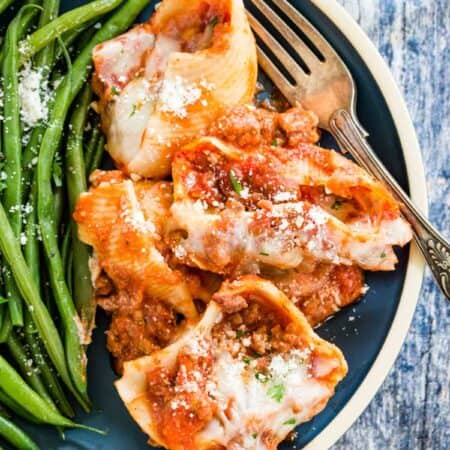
pixel 244 377
pixel 123 221
pixel 241 209
pixel 164 82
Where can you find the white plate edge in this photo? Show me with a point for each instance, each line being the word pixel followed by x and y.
pixel 416 265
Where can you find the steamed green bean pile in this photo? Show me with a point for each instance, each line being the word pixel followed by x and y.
pixel 50 143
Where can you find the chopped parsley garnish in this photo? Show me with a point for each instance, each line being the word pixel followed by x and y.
pixel 133 112
pixel 246 359
pixel 261 377
pixel 214 21
pixel 234 181
pixel 240 334
pixel 337 204
pixel 254 435
pixel 114 91
pixel 383 255
pixel 264 254
pixel 276 392
pixel 275 143
pixel 290 422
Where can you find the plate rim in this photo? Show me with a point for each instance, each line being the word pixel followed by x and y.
pixel 409 297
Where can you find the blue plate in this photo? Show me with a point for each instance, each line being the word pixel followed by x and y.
pixel 360 331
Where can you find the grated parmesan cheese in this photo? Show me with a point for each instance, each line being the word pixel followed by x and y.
pixel 34 96
pixel 176 95
pixel 245 193
pixel 283 197
pixel 23 239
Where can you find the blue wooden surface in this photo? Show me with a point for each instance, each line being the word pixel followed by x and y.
pixel 412 409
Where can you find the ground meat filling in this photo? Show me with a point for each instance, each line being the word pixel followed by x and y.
pixel 139 326
pixel 207 175
pixel 251 331
pixel 249 127
pixel 321 292
pixel 253 181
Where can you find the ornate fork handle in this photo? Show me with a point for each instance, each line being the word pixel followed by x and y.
pixel 433 245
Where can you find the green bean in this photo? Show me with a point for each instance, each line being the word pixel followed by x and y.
pixel 68 21
pixel 48 376
pixel 16 408
pixel 3 304
pixel 4 4
pixel 97 156
pixel 25 21
pixel 59 205
pixel 47 295
pixel 44 59
pixel 30 374
pixel 12 142
pixel 31 251
pixel 70 37
pixel 69 278
pixel 4 311
pixel 76 185
pixel 15 387
pixel 84 40
pixel 67 257
pixel 15 307
pixel 31 247
pixel 30 155
pixel 66 245
pixel 29 159
pixel 15 436
pixel 6 328
pixel 76 358
pixel 30 293
pixel 92 144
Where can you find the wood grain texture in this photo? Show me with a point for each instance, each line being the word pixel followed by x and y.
pixel 412 409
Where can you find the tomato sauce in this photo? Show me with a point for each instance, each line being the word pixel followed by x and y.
pixel 181 406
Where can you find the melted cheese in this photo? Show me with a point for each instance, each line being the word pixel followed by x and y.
pixel 254 410
pixel 238 240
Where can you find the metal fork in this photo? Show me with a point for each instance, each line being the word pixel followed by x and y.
pixel 328 89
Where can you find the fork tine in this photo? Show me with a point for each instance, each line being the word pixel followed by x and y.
pixel 308 29
pixel 274 73
pixel 294 40
pixel 294 69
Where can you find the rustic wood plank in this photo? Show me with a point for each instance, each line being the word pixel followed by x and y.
pixel 412 409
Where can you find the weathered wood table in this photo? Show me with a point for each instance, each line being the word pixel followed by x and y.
pixel 412 410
